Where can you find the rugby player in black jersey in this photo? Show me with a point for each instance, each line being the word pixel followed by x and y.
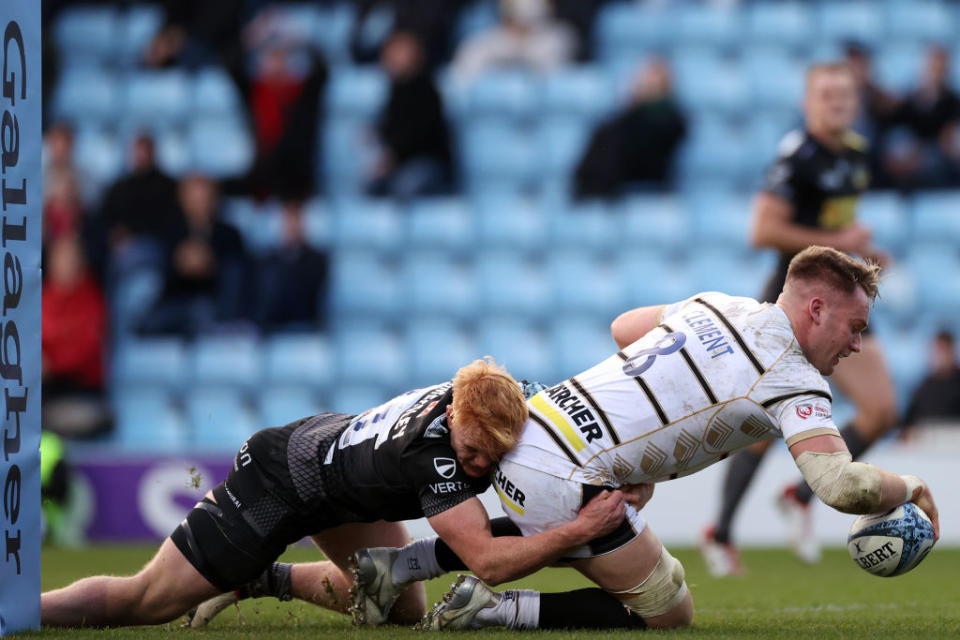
pixel 809 197
pixel 346 481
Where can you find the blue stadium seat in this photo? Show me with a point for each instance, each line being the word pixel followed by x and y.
pixel 221 147
pixel 358 92
pixel 138 25
pixel 219 419
pixel 173 151
pixel 100 153
pixel 347 157
pixel 716 150
pixel 523 349
pixel 585 282
pixel 151 362
pixel 506 93
pixel 652 221
pixel 357 398
pixel 284 404
pixel 784 23
pixel 371 357
pixel 936 217
pixel 920 20
pixel 936 270
pixel 630 29
pixel 562 142
pixel 436 350
pixel 581 92
pixel 364 284
pixel 718 269
pixel 775 76
pixel 134 294
pixel 906 353
pixel 578 343
pixel 591 224
pixel 499 155
pixel 437 283
pixel 851 20
pixel 319 222
pixel 86 34
pixel 446 222
pixel 259 224
pixel 714 24
pixel 156 98
pixel 215 94
pixel 899 294
pixel 299 359
pixel 898 65
pixel 707 81
pixel 764 133
pixel 86 96
pixel 654 277
pixel 147 422
pixel 226 360
pixel 512 284
pixel 368 223
pixel 885 214
pixel 719 218
pixel 509 220
pixel 333 31
pixel 473 18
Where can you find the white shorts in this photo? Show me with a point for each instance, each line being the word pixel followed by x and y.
pixel 536 501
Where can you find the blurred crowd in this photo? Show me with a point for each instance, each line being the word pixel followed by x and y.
pixel 147 221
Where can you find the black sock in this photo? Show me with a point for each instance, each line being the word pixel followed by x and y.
pixel 585 609
pixel 855 444
pixel 739 473
pixel 449 561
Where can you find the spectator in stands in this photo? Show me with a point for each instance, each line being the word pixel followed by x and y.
pixel 73 342
pixel 937 398
pixel 877 110
pixel 415 157
pixel 138 211
pixel 58 160
pixel 927 151
pixel 292 279
pixel 284 107
pixel 528 36
pixel 206 266
pixel 433 22
pixel 635 147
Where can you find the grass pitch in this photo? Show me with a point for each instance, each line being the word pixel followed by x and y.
pixel 777 598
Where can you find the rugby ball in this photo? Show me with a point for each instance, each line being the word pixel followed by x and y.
pixel 889 544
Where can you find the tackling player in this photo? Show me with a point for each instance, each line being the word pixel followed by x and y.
pixel 695 381
pixel 809 198
pixel 347 481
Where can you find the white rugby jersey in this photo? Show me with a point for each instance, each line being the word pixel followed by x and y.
pixel 718 374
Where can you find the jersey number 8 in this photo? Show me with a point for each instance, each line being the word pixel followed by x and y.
pixel 642 360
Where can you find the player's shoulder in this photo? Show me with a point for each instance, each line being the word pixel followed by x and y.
pixel 796 143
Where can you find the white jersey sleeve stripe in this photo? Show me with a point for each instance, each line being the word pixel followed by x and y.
pixel 806 392
pixel 596 407
pixel 556 439
pixel 736 336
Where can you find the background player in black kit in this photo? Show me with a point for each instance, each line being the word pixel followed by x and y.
pixel 809 197
pixel 346 481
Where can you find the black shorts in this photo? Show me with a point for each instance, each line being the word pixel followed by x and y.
pixel 255 514
pixel 613 540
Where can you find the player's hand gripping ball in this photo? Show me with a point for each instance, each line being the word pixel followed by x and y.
pixel 889 544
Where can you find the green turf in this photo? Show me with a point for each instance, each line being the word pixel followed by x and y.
pixel 778 598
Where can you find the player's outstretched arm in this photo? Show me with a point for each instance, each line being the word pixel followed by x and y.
pixel 632 325
pixel 466 529
pixel 857 487
pixel 773 227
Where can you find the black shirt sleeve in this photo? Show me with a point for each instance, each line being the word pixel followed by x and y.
pixel 439 480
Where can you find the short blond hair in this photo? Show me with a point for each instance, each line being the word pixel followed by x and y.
pixel 836 269
pixel 490 401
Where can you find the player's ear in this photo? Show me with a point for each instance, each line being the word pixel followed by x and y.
pixel 815 307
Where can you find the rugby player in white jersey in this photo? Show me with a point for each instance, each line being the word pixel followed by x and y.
pixel 695 380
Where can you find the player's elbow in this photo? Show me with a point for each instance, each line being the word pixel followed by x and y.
pixel 618 330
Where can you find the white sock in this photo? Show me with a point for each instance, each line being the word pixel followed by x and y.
pixel 517 609
pixel 417 561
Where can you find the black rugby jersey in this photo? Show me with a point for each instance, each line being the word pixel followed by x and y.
pixel 393 462
pixel 822 185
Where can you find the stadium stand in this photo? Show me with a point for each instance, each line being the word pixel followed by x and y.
pixel 508 265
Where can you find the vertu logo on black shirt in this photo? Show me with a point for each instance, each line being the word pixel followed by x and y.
pixel 446 467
